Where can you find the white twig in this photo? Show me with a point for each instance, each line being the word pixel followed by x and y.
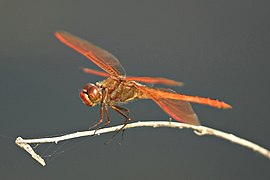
pixel 199 130
pixel 30 150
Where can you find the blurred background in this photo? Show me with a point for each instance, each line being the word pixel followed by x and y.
pixel 220 49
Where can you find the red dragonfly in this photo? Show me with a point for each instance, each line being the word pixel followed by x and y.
pixel 119 88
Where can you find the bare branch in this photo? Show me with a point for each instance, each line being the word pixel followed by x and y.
pixel 30 150
pixel 199 130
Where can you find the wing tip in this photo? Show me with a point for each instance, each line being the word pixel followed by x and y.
pixel 191 119
pixel 60 34
pixel 194 120
pixel 177 83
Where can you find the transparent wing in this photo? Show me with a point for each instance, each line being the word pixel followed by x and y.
pixel 155 80
pixel 97 55
pixel 95 72
pixel 149 80
pixel 170 94
pixel 177 109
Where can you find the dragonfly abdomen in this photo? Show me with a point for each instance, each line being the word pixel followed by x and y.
pixel 201 100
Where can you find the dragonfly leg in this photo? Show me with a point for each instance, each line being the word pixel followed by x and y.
pixel 101 117
pixel 97 126
pixel 121 110
pixel 127 119
pixel 108 118
pixel 102 106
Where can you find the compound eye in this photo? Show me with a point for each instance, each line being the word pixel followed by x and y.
pixel 93 92
pixel 90 95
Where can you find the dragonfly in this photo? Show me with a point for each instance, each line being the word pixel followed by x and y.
pixel 119 89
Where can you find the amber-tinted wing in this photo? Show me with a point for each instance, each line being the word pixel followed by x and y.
pixel 149 80
pixel 155 80
pixel 95 72
pixel 97 55
pixel 177 109
pixel 164 94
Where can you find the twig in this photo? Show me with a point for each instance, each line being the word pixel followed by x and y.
pixel 199 130
pixel 30 150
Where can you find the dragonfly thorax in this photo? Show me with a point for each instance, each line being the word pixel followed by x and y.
pixel 91 94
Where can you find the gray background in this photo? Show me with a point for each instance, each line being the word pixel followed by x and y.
pixel 220 49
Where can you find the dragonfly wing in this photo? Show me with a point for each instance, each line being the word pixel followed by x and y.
pixel 177 109
pixel 149 80
pixel 95 72
pixel 155 80
pixel 97 55
pixel 170 94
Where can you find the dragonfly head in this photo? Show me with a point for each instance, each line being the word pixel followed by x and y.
pixel 91 95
